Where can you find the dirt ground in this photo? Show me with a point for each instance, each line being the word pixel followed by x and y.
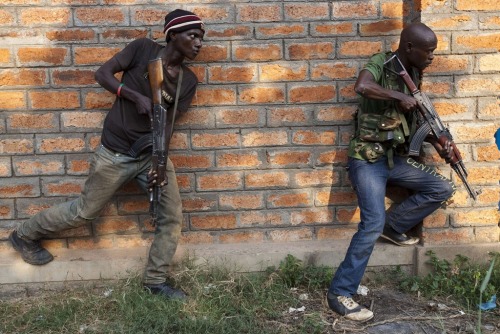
pixel 395 312
pixel 400 313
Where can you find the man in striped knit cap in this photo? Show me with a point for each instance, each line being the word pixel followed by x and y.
pixel 118 161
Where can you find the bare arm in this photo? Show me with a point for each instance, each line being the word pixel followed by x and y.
pixel 105 76
pixel 367 87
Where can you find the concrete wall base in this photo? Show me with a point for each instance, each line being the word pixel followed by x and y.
pixel 83 265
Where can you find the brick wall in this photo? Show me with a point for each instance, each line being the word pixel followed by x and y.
pixel 260 156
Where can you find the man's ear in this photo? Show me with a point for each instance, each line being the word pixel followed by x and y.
pixel 409 47
pixel 173 36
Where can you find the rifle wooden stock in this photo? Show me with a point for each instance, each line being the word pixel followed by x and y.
pixel 435 127
pixel 158 127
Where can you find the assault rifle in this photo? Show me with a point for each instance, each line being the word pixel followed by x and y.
pixel 433 126
pixel 160 137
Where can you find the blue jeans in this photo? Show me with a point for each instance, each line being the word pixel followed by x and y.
pixel 108 172
pixel 369 181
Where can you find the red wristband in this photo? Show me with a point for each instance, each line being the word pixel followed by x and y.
pixel 119 89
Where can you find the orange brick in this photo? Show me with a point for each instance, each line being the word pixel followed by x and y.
pixel 342 113
pixel 359 48
pixel 73 77
pixel 476 217
pixel 348 215
pixel 219 181
pixel 312 93
pixel 449 64
pixel 133 205
pixel 112 225
pixel 214 96
pixel 478 42
pixel 336 70
pixel 148 17
pixel 78 165
pixel 260 52
pixel 260 218
pixel 487 153
pixel 314 137
pixel 489 63
pixel 335 233
pixel 383 27
pixel 213 13
pixel 23 77
pixel 395 9
pixel 42 55
pixel 38 166
pixel 305 51
pixel 238 159
pixel 266 179
pixel 124 34
pixel 489 108
pixel 6 211
pixel 282 72
pixel 315 216
pixel 333 29
pixel 196 238
pixel 196 118
pixel 316 178
pixel 288 115
pixel 473 132
pixel 289 158
pixel 290 235
pixel 487 234
pixel 353 9
pixel 33 121
pixel 289 199
pixel 96 15
pixel 213 221
pixel 199 203
pixel 179 141
pixel 93 55
pixel 211 53
pixel 5 56
pixel 486 5
pixel 335 156
pixel 5 167
pixel 11 145
pixel 264 138
pixel 259 13
pixel 232 73
pixel 241 201
pixel 6 18
pixel 90 243
pixel 69 35
pixel 239 117
pixel 242 237
pixel 61 144
pixel 191 161
pixel 62 187
pixel 83 120
pixel 54 99
pixel 335 197
pixel 281 30
pixel 448 236
pixel 98 100
pixel 261 94
pixel 238 32
pixel 45 16
pixel 307 12
pixel 438 219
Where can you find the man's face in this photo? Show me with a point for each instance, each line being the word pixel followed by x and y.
pixel 422 53
pixel 189 42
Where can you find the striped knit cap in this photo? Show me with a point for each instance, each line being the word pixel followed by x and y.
pixel 181 20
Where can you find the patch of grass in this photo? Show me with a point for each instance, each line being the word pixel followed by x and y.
pixel 220 301
pixel 460 279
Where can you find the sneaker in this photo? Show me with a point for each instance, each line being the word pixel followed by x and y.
pixel 166 291
pixel 399 239
pixel 348 308
pixel 31 251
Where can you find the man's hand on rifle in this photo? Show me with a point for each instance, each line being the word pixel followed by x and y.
pixel 144 106
pixel 153 179
pixel 407 103
pixel 445 151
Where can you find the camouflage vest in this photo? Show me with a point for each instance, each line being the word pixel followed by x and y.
pixel 382 132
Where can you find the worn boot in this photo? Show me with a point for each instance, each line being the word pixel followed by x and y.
pixel 31 251
pixel 164 290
